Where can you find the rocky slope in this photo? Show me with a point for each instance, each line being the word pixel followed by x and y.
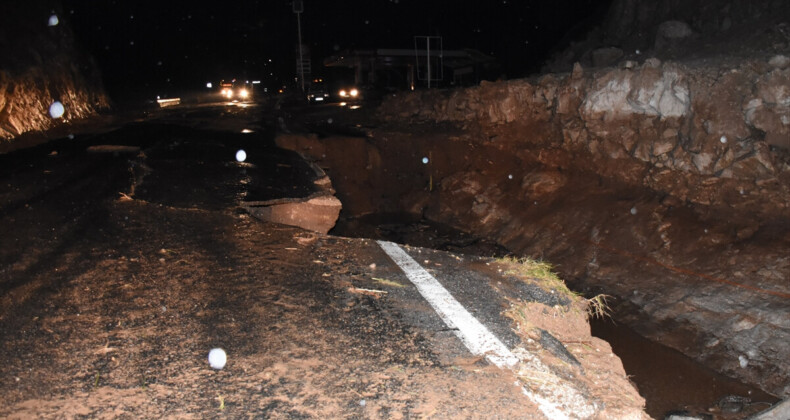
pixel 39 65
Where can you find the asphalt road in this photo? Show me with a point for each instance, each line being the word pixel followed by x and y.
pixel 125 257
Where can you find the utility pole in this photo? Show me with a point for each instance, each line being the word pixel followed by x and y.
pixel 298 7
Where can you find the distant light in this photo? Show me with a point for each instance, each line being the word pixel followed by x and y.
pixel 241 155
pixel 425 160
pixel 56 110
pixel 256 82
pixel 354 107
pixel 209 85
pixel 247 131
pixel 723 139
pixel 633 210
pixel 53 20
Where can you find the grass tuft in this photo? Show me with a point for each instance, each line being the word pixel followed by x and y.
pixel 598 307
pixel 541 271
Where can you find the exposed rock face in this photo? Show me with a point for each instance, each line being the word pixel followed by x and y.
pixel 41 64
pixel 712 137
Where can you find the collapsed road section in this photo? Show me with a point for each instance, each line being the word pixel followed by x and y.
pixel 127 256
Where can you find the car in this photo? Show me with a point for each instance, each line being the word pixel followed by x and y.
pixel 317 92
pixel 349 93
pixel 234 90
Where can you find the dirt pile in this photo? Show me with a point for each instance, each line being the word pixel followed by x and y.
pixel 40 65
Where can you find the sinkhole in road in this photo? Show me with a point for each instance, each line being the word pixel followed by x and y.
pixel 669 381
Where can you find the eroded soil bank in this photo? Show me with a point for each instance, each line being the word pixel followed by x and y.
pixel 662 185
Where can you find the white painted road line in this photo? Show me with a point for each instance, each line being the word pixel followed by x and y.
pixel 557 398
pixel 477 338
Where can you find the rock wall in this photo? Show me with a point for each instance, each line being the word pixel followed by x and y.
pixel 40 64
pixel 716 137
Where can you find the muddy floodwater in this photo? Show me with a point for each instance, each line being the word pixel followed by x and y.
pixel 669 381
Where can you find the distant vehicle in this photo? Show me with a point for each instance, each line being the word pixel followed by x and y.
pixel 234 90
pixel 317 93
pixel 349 93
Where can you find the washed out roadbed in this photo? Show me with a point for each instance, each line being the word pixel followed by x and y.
pixel 120 269
pixel 121 324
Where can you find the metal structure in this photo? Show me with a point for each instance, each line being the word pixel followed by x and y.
pixel 298 8
pixel 432 69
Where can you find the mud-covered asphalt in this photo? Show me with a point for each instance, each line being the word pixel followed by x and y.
pixel 122 265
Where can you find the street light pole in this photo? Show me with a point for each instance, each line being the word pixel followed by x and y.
pixel 298 6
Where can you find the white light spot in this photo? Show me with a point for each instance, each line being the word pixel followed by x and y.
pixel 209 85
pixel 56 110
pixel 367 22
pixel 633 210
pixel 246 131
pixel 131 42
pixel 638 52
pixel 241 155
pixel 510 176
pixel 425 160
pixel 70 136
pixel 217 358
pixel 362 403
pixel 723 139
pixel 329 121
pixel 159 63
pixel 53 20
pixel 743 361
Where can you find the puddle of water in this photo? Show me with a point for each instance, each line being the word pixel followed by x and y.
pixel 670 381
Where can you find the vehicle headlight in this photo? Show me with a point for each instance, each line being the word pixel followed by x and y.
pixel 244 93
pixel 343 93
pixel 227 93
pixel 353 93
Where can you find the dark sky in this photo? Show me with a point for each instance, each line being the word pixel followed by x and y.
pixel 177 44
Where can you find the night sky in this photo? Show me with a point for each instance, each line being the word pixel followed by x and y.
pixel 158 45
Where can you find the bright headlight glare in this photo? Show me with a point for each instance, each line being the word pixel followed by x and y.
pixel 353 92
pixel 243 93
pixel 343 93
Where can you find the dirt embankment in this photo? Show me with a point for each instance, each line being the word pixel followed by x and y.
pixel 40 65
pixel 666 186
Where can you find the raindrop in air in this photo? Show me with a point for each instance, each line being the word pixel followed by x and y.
pixel 56 110
pixel 510 176
pixel 425 160
pixel 329 121
pixel 723 139
pixel 633 210
pixel 53 20
pixel 241 155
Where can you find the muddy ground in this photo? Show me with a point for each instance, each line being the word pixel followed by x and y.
pixel 125 258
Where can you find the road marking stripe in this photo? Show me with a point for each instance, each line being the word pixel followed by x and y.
pixel 480 341
pixel 477 338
